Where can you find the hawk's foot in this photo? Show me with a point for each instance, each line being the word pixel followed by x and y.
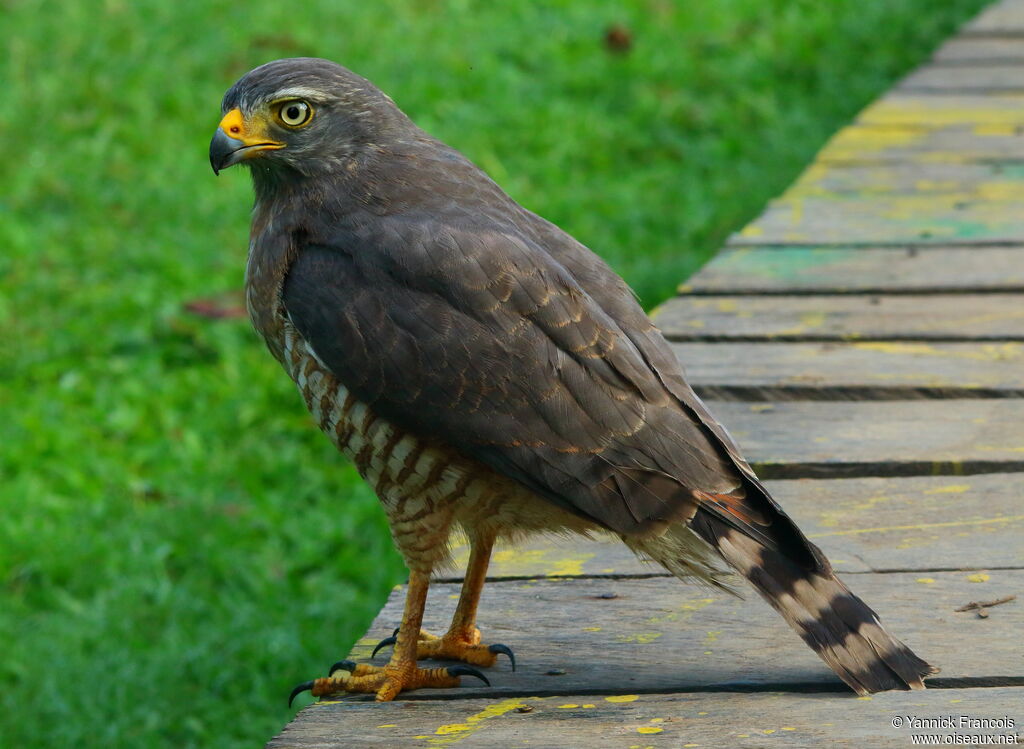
pixel 386 682
pixel 455 646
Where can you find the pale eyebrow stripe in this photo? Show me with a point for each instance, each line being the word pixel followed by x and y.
pixel 296 92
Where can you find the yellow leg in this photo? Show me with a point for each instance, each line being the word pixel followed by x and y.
pixel 462 640
pixel 401 673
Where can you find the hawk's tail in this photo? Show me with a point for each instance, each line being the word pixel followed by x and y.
pixel 835 623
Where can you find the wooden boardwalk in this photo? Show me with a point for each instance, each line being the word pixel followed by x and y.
pixel 864 341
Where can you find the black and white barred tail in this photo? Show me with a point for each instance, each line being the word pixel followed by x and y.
pixel 835 623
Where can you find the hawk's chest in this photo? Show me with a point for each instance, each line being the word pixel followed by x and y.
pixel 377 448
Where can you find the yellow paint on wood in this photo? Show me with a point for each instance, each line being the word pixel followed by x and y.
pixel 649 729
pixel 933 112
pixel 622 698
pixel 456 732
pixel 552 562
pixel 996 130
pixel 950 489
pixel 643 638
pixel 926 580
pixel 920 526
pixel 978 577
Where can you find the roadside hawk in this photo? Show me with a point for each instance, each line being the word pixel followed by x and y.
pixel 485 371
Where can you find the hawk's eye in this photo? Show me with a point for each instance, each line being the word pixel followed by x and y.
pixel 294 113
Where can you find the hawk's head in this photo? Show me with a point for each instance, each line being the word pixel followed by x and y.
pixel 302 115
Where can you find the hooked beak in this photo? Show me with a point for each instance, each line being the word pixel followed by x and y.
pixel 232 144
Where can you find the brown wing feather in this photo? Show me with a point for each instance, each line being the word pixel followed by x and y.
pixel 482 341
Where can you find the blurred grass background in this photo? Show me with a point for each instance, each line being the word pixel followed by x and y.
pixel 178 545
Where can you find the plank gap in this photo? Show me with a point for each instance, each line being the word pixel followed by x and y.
pixel 761 393
pixel 962 90
pixel 738 242
pixel 838 338
pixel 660 575
pixel 873 469
pixel 862 291
pixel 741 687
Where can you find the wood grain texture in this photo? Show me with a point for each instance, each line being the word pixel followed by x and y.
pixel 810 439
pixel 782 269
pixel 917 317
pixel 733 719
pixel 1001 19
pixel 968 181
pixel 661 635
pixel 890 219
pixel 975 49
pixel 988 78
pixel 657 721
pixel 920 144
pixel 865 524
pixel 880 370
pixel 938 111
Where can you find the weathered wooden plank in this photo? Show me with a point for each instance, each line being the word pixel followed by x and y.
pixel 966 181
pixel 787 269
pixel 923 219
pixel 653 721
pixel 923 317
pixel 806 439
pixel 934 111
pixel 974 50
pixel 878 370
pixel 920 144
pixel 965 79
pixel 661 635
pixel 966 522
pixel 1001 19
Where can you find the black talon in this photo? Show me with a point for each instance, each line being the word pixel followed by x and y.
pixel 467 671
pixel 505 650
pixel 384 643
pixel 303 687
pixel 349 666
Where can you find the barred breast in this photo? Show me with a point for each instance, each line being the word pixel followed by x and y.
pixel 425 487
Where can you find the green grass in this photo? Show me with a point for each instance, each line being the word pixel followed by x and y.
pixel 178 546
